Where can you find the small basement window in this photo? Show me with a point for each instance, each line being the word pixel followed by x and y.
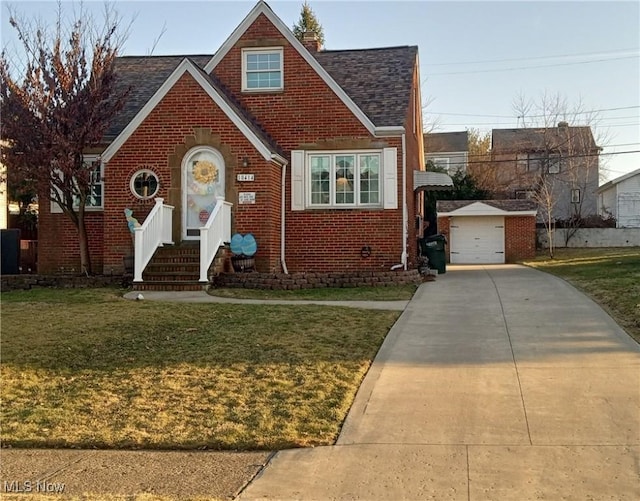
pixel 144 184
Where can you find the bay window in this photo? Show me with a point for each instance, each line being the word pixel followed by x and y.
pixel 344 179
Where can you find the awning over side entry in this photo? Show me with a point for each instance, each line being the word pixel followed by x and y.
pixel 431 181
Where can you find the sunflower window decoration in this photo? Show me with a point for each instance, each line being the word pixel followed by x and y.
pixel 204 172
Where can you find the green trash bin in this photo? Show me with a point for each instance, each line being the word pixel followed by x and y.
pixel 433 248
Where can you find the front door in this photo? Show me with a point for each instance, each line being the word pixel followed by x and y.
pixel 203 173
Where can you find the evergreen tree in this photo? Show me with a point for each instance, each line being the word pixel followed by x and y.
pixel 308 22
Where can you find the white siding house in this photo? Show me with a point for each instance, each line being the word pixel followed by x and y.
pixel 620 198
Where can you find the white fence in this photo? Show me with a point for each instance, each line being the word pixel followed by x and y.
pixel 213 235
pixel 154 232
pixel 592 237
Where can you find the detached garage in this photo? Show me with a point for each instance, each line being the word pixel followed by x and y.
pixel 488 231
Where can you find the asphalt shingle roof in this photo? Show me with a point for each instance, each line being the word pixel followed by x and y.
pixel 378 80
pixel 143 75
pixel 542 139
pixel 506 205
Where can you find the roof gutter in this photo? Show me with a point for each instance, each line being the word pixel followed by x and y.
pixel 389 131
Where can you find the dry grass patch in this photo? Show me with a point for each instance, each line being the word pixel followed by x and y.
pixel 90 369
pixel 610 276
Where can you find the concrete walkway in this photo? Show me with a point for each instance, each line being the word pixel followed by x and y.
pixel 496 383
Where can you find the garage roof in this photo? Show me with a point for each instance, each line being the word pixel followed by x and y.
pixel 486 208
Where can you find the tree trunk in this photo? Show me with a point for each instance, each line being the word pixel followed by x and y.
pixel 83 241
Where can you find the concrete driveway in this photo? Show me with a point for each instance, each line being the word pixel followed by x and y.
pixel 496 383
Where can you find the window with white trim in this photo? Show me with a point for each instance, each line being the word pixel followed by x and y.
pixel 95 199
pixel 262 69
pixel 144 184
pixel 344 179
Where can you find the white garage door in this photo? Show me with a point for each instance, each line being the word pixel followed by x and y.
pixel 477 240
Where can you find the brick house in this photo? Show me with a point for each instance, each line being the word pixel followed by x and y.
pixel 565 158
pixel 311 151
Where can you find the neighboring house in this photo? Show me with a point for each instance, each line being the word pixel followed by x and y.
pixel 620 198
pixel 563 159
pixel 311 151
pixel 448 151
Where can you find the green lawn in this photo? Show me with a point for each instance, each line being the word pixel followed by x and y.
pixel 610 276
pixel 86 368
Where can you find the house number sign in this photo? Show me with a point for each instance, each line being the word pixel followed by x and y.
pixel 245 177
pixel 247 197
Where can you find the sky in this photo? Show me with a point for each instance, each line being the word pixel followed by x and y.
pixel 476 57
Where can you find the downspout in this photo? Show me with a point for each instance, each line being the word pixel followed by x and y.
pixel 282 222
pixel 405 215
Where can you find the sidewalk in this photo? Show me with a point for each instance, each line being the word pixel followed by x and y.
pixel 499 383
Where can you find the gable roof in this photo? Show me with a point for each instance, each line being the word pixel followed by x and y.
pixel 143 76
pixel 263 144
pixel 390 125
pixel 378 80
pixel 542 139
pixel 446 142
pixel 486 207
pixel 613 182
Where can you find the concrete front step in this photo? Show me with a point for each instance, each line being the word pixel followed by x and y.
pixel 177 267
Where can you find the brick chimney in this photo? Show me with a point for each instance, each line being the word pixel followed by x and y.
pixel 311 42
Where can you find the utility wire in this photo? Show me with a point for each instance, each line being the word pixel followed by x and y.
pixel 514 160
pixel 517 68
pixel 529 116
pixel 583 54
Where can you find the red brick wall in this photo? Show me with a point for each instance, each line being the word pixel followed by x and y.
pixel 58 249
pixel 415 158
pixel 180 121
pixel 308 115
pixel 520 238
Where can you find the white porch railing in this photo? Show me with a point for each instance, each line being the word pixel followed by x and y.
pixel 154 232
pixel 213 234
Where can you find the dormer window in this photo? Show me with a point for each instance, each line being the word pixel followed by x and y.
pixel 262 69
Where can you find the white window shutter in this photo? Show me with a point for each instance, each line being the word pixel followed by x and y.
pixel 297 180
pixel 390 176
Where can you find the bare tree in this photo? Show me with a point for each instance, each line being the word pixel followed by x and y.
pixel 565 158
pixel 58 106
